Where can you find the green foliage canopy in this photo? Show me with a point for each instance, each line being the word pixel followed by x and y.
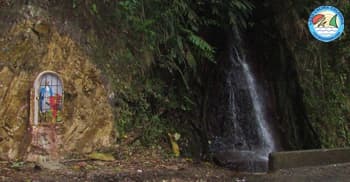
pixel 172 29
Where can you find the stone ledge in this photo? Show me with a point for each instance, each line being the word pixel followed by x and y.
pixel 301 158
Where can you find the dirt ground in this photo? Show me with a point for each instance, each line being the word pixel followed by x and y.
pixel 152 165
pixel 182 171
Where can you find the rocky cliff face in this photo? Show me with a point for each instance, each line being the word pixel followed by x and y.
pixel 29 46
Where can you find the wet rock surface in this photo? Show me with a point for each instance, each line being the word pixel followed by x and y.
pixel 246 161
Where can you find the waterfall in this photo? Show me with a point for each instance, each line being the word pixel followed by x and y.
pixel 244 140
pixel 265 133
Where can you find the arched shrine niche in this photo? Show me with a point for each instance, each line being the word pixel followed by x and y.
pixel 48 99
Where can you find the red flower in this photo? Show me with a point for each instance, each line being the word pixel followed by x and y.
pixel 55 101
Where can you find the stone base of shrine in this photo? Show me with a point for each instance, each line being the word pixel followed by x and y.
pixel 44 144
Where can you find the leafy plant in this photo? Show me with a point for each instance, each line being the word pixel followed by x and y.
pixel 94 8
pixel 171 29
pixel 17 164
pixel 172 33
pixel 74 4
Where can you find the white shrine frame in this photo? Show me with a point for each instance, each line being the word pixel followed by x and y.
pixel 38 83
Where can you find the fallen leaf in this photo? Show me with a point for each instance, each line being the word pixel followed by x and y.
pixel 174 145
pixel 177 136
pixel 101 156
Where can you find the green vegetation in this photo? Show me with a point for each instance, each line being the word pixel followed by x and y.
pixel 171 30
pixel 323 71
pixel 157 56
pixel 165 44
pixel 161 63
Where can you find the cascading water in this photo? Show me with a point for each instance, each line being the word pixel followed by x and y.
pixel 246 140
pixel 265 134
